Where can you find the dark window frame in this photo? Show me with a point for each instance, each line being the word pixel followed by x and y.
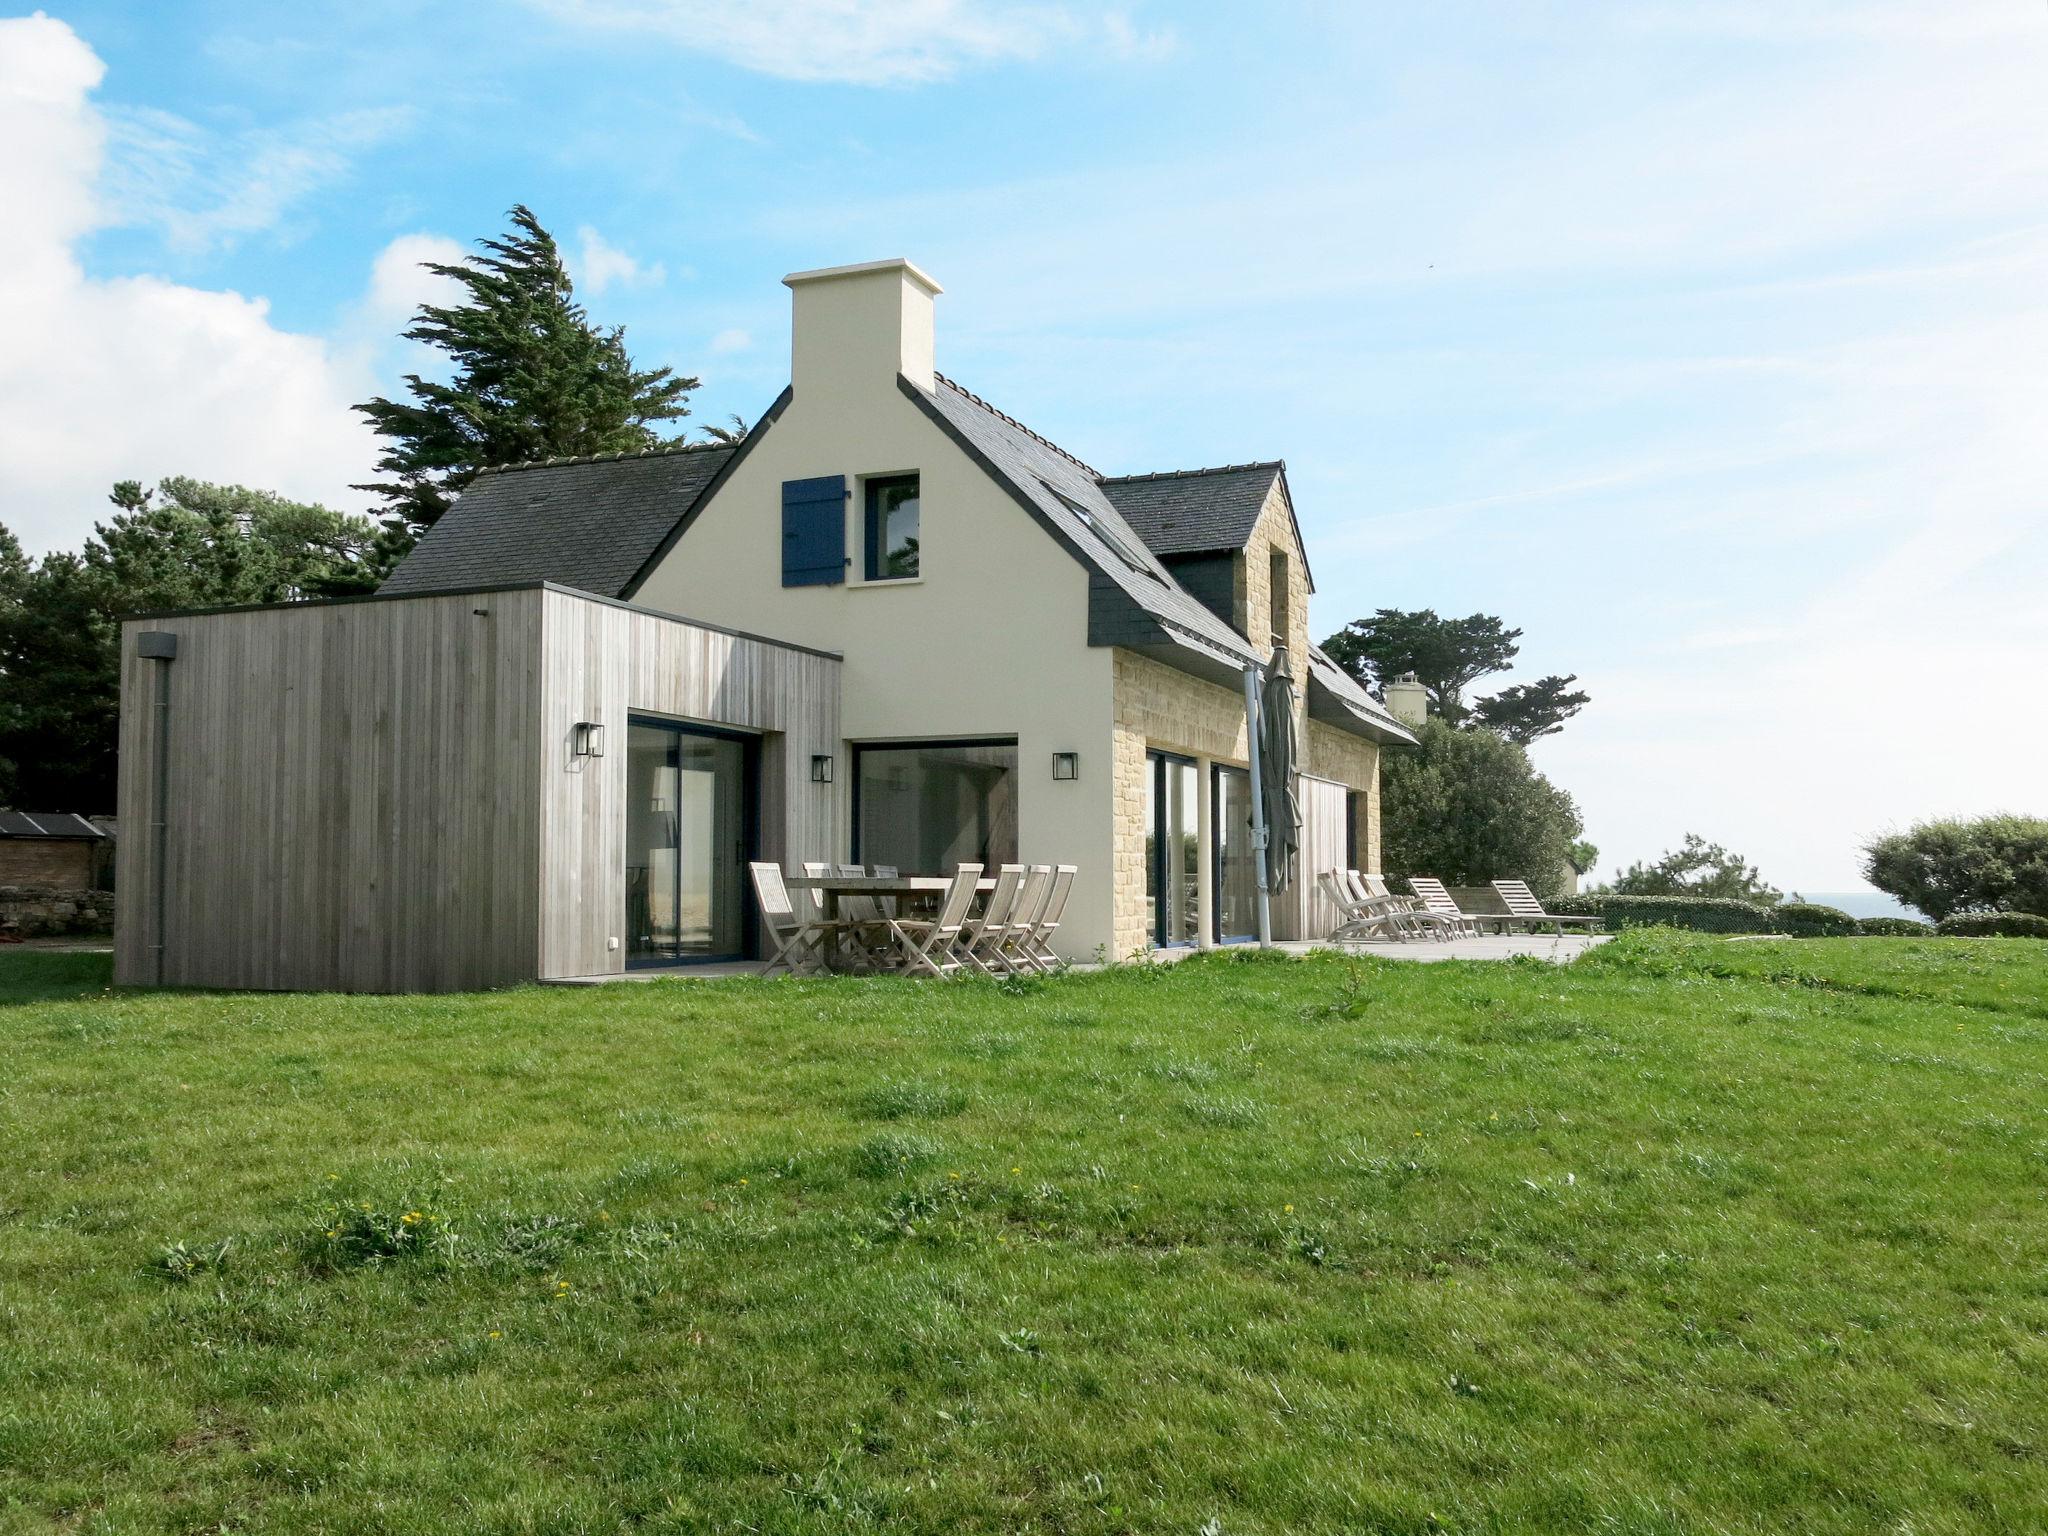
pixel 873 558
pixel 1216 773
pixel 750 745
pixel 1157 761
pixel 856 749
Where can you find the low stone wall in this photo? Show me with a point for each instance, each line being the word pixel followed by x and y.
pixel 38 911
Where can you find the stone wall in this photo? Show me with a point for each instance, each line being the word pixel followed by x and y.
pixel 37 911
pixel 1275 527
pixel 60 863
pixel 1159 707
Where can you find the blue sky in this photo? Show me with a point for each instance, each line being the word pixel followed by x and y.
pixel 1706 342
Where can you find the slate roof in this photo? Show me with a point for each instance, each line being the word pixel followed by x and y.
pixel 1133 597
pixel 595 524
pixel 1194 511
pixel 586 523
pixel 1335 697
pixel 48 824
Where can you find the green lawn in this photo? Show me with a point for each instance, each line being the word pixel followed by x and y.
pixel 1691 1236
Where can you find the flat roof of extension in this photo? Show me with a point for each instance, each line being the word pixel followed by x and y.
pixel 478 591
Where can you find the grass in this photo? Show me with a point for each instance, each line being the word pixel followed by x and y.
pixel 1690 1236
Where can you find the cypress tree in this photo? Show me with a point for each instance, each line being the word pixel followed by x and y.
pixel 532 379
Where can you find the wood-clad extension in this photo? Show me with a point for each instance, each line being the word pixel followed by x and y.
pixel 380 795
pixel 604 662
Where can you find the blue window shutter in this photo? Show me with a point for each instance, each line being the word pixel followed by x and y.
pixel 814 531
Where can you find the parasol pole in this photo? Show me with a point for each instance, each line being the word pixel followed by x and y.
pixel 1252 740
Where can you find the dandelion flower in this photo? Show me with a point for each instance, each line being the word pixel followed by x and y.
pixel 1288 1209
pixel 495 1334
pixel 743 1183
pixel 1016 1170
pixel 412 1218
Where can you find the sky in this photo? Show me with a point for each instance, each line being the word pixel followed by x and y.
pixel 1704 342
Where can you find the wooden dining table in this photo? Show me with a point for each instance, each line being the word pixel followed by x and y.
pixel 911 888
pixel 907 890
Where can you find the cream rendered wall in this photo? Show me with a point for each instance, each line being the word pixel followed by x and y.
pixel 991 639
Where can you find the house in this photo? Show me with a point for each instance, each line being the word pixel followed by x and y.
pixel 891 626
pixel 49 848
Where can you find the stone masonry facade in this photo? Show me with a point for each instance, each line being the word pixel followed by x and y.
pixel 1160 707
pixel 1157 706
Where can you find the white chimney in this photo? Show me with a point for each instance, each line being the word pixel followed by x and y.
pixel 1407 699
pixel 858 327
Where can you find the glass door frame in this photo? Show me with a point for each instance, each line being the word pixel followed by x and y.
pixel 750 841
pixel 1216 846
pixel 1157 762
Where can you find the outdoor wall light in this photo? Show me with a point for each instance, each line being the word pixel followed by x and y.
pixel 821 768
pixel 1066 765
pixel 587 739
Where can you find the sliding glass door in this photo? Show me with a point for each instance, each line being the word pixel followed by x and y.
pixel 1172 849
pixel 689 834
pixel 1237 877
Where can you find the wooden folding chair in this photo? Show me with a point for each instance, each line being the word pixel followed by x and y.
pixel 930 948
pixel 1036 945
pixel 800 942
pixel 980 934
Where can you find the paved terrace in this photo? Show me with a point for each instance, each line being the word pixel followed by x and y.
pixel 1492 946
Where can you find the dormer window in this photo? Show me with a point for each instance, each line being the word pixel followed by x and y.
pixel 892 528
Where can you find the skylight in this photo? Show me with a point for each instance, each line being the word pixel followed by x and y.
pixel 1095 525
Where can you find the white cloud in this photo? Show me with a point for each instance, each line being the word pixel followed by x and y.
pixel 400 282
pixel 866 42
pixel 598 264
pixel 139 377
pixel 205 190
pixel 726 342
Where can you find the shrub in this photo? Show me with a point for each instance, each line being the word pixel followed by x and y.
pixel 1704 914
pixel 1468 807
pixel 1810 920
pixel 1993 925
pixel 1990 864
pixel 1894 927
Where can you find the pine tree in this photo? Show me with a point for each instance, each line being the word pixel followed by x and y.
pixel 533 379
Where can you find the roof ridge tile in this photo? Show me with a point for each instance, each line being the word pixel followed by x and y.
pixel 1192 474
pixel 1003 416
pixel 658 451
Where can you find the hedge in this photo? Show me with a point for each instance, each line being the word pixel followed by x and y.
pixel 1895 927
pixel 1706 914
pixel 1993 925
pixel 1811 920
